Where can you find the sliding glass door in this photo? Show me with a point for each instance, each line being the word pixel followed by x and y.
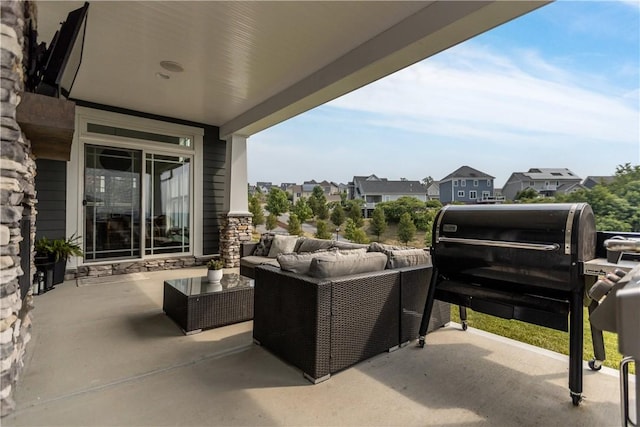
pixel 112 196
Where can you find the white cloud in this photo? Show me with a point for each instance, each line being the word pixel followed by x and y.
pixel 475 93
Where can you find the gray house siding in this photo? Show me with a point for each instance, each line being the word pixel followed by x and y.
pixel 213 174
pixel 51 190
pixel 445 192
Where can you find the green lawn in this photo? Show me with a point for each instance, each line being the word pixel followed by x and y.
pixel 540 336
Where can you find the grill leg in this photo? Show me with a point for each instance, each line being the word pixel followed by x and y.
pixel 463 317
pixel 428 306
pixel 598 342
pixel 575 347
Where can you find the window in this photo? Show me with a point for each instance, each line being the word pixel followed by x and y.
pixel 460 193
pixel 473 195
pixel 455 182
pixel 488 183
pixel 475 182
pixel 463 182
pixel 129 133
pixel 532 184
pixel 486 194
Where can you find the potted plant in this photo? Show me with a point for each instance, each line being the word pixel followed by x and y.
pixel 214 270
pixel 54 254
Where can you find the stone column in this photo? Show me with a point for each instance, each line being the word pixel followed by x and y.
pixel 17 190
pixel 236 225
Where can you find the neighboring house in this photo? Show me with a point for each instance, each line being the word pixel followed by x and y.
pixel 468 185
pixel 433 191
pixel 331 190
pixel 591 181
pixel 374 190
pixel 264 186
pixel 285 185
pixel 546 181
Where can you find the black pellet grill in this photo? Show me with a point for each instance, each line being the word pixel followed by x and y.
pixel 519 262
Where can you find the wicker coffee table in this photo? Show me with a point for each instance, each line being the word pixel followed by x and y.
pixel 195 304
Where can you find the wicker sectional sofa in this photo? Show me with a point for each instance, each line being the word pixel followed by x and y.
pixel 322 325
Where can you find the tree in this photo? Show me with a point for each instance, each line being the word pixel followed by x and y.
pixel 354 233
pixel 527 195
pixel 378 222
pixel 338 216
pixel 294 227
pixel 406 228
pixel 427 181
pixel 277 201
pixel 406 204
pixel 322 231
pixel 256 210
pixel 302 209
pixel 354 211
pixel 272 222
pixel 323 212
pixel 317 200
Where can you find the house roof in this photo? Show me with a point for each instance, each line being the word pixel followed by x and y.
pixel 391 187
pixel 249 65
pixel 466 172
pixel 551 173
pixel 592 180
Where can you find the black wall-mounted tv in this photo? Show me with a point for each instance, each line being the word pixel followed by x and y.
pixel 64 55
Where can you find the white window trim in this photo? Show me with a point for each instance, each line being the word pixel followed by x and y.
pixel 475 183
pixel 75 167
pixel 463 182
pixel 472 196
pixel 455 182
pixel 460 193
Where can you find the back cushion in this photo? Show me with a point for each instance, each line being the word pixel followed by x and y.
pixel 380 247
pixel 312 245
pixel 282 245
pixel 408 258
pixel 349 245
pixel 297 263
pixel 343 265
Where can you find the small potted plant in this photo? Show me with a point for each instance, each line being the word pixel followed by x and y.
pixel 214 270
pixel 55 253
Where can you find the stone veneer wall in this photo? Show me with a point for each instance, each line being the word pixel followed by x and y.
pixel 17 190
pixel 234 229
pixel 126 267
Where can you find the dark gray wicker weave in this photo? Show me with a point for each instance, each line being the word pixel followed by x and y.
pixel 322 326
pixel 414 284
pixel 207 310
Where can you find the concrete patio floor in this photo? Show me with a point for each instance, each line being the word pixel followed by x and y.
pixel 103 353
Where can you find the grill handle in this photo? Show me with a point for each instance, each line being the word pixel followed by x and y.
pixel 501 244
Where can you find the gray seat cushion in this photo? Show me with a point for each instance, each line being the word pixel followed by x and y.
pixel 253 260
pixel 407 258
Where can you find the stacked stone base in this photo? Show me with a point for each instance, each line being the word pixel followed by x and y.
pixel 135 267
pixel 234 229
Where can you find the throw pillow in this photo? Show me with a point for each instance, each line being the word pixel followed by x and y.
pixel 282 245
pixel 264 245
pixel 313 244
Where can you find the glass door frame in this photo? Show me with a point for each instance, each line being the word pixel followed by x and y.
pixel 76 169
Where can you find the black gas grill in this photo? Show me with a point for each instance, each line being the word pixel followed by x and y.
pixel 519 262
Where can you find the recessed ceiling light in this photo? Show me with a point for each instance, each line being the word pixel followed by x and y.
pixel 162 76
pixel 172 66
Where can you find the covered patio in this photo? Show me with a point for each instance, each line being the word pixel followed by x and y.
pixel 103 353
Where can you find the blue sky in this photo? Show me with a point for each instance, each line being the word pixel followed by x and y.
pixel 558 87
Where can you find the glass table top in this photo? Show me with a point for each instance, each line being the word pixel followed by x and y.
pixel 201 285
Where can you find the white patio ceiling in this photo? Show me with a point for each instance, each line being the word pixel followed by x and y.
pixel 250 65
